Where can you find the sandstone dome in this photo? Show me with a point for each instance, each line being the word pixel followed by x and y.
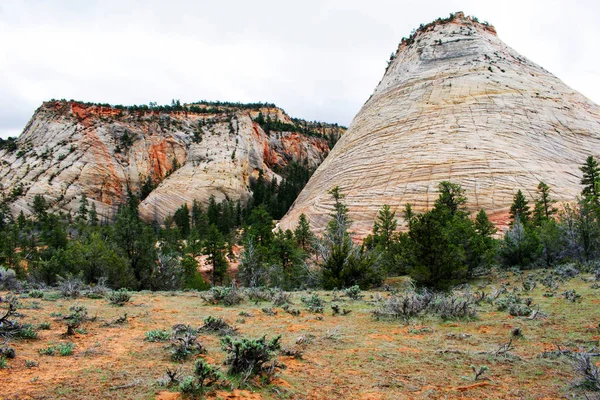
pixel 455 103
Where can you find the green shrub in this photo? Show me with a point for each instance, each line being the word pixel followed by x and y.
pixel 3 363
pixel 217 325
pixel 314 303
pixel 222 295
pixel 185 343
pixel 249 356
pixel 31 363
pixel 205 376
pixel 44 326
pixel 36 294
pixel 47 351
pixel 119 297
pixel 353 292
pixel 65 349
pixel 26 332
pixel 158 335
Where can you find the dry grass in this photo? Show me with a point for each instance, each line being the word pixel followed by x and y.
pixel 365 359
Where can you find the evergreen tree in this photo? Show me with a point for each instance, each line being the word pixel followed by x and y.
pixel 288 258
pixel 520 246
pixel 261 226
pixel 384 227
pixel 182 220
pixel 343 264
pixel 302 233
pixel 544 209
pixel 520 207
pixel 214 249
pixel 408 215
pixel 82 213
pixel 591 178
pixel 482 243
pixel 40 207
pixel 93 215
pixel 137 241
pixel 452 197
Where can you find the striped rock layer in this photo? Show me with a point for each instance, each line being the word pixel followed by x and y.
pixel 69 149
pixel 456 104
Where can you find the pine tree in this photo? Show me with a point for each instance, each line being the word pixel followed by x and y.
pixel 93 215
pixel 408 214
pixel 384 227
pixel 303 234
pixel 82 213
pixel 591 178
pixel 520 208
pixel 452 197
pixel 214 249
pixel 543 209
pixel 182 220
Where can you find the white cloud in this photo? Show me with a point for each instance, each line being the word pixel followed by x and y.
pixel 317 59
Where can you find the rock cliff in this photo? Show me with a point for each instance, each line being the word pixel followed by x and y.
pixel 456 103
pixel 170 155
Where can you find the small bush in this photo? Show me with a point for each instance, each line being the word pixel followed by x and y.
pixel 70 286
pixel 217 325
pixel 158 335
pixel 26 331
pixel 567 271
pixel 119 297
pixel 205 376
pixel 47 351
pixel 3 363
pixel 8 279
pixel 185 343
pixel 353 292
pixel 65 349
pixel 588 371
pixel 519 310
pixel 404 307
pixel 280 298
pixel 75 319
pixel 249 356
pixel 98 291
pixel 222 295
pixel 36 294
pixel 314 303
pixel 62 349
pixel 31 364
pixel 7 351
pixel 572 296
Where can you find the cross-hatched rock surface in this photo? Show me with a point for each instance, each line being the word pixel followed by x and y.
pixel 69 149
pixel 456 104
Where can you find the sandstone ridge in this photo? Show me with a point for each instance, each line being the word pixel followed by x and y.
pixel 178 154
pixel 456 103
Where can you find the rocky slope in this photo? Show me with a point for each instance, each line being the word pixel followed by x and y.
pixel 456 104
pixel 180 154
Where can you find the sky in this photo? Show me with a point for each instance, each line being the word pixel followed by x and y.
pixel 318 60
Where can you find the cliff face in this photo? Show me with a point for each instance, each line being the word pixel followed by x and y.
pixel 183 154
pixel 456 104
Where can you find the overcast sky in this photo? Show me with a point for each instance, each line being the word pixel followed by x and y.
pixel 319 60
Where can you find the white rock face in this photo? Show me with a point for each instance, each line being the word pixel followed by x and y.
pixel 69 148
pixel 456 104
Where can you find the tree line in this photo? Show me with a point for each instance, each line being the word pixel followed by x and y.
pixel 440 248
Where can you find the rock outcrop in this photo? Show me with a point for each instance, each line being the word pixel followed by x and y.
pixel 456 104
pixel 179 154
